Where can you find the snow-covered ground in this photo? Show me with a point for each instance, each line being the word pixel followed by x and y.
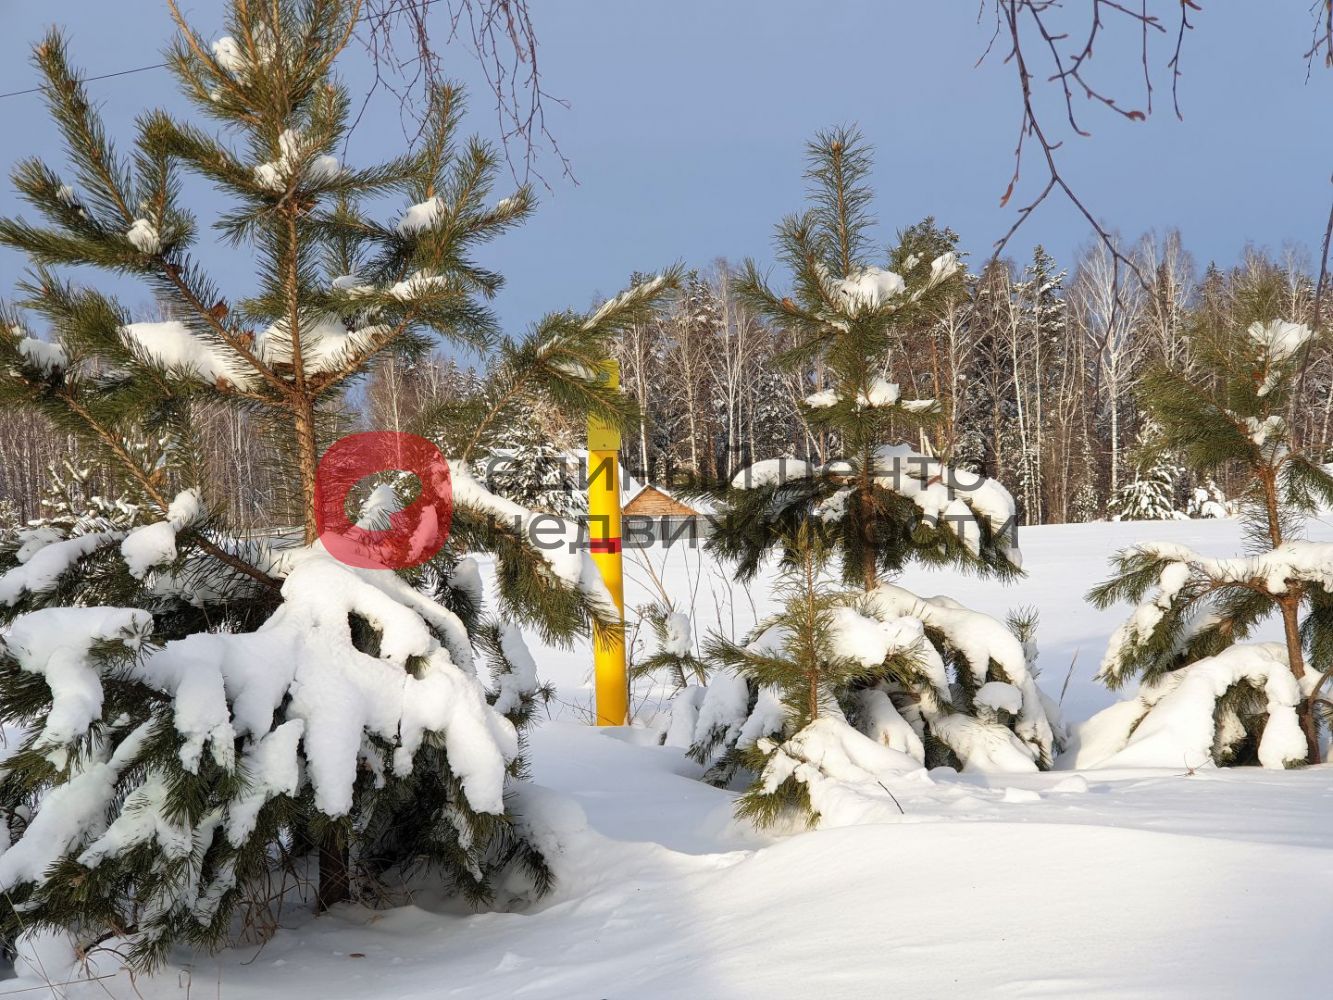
pixel 1123 884
pixel 1061 563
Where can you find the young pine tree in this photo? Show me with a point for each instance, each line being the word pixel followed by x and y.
pixel 1151 494
pixel 1257 702
pixel 796 659
pixel 889 504
pixel 842 690
pixel 205 711
pixel 879 505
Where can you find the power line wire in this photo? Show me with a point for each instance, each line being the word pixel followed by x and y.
pixel 90 79
pixel 161 65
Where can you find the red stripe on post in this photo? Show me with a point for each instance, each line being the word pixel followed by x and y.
pixel 604 545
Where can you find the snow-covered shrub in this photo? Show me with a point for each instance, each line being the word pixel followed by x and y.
pixel 209 715
pixel 945 685
pixel 166 777
pixel 673 654
pixel 1205 695
pixel 1209 501
pixel 1238 707
pixel 776 712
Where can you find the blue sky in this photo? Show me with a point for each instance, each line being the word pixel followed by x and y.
pixel 687 120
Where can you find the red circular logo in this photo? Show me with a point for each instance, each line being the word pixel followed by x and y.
pixel 415 533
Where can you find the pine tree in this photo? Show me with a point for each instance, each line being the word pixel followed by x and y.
pixel 889 504
pixel 886 679
pixel 1151 494
pixel 796 661
pixel 522 465
pixel 1043 312
pixel 204 710
pixel 1185 639
pixel 872 511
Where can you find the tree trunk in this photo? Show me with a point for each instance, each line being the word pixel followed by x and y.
pixel 1296 661
pixel 308 464
pixel 869 571
pixel 335 883
pixel 1290 606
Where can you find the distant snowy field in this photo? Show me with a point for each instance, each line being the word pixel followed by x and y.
pixel 1095 883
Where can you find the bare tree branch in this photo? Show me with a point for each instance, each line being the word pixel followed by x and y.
pixel 1321 39
pixel 406 59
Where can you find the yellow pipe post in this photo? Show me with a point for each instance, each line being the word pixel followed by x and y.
pixel 611 679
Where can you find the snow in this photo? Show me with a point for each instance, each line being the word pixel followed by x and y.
pixel 846 773
pixel 171 344
pixel 417 285
pixel 421 216
pixel 45 357
pixel 521 679
pixel 276 174
pixel 867 289
pixel 677 635
pixel 883 722
pixel 868 640
pixel 466 577
pixel 69 812
pixel 143 235
pixel 148 546
pixel 230 56
pixel 325 343
pixel 1172 723
pixel 272 768
pixel 945 266
pixel 54 643
pixel 352 284
pixel 683 718
pixel 1112 893
pixel 878 393
pixel 42 567
pixel 1279 339
pixel 642 290
pixel 822 400
pixel 1000 697
pixel 185 508
pixel 1101 882
pixel 723 707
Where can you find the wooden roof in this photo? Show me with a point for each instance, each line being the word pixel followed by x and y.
pixel 652 502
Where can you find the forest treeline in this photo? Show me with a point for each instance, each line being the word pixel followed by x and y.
pixel 1035 365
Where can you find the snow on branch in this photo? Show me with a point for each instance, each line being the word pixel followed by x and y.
pixel 42 567
pixel 562 545
pixel 171 344
pixel 1179 720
